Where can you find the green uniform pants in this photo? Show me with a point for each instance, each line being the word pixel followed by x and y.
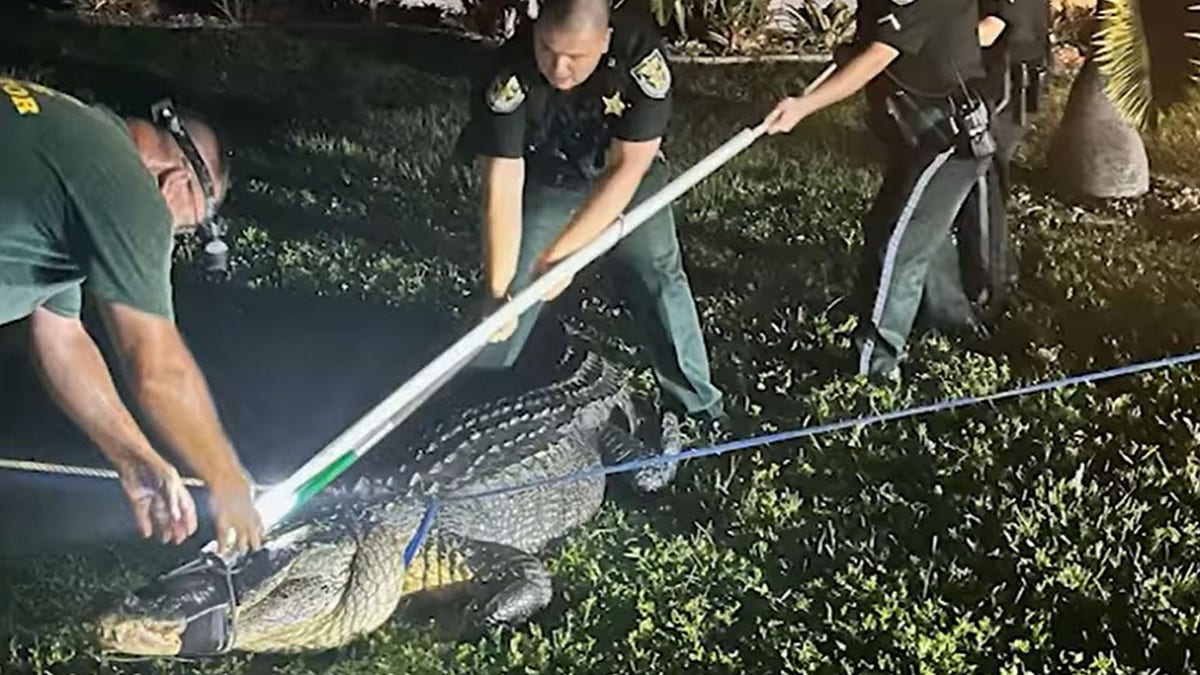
pixel 650 271
pixel 911 262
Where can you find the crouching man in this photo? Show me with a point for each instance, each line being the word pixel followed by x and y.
pixel 91 201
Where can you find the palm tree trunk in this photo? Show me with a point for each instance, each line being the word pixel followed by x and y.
pixel 1094 152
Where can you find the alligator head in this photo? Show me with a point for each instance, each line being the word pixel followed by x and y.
pixel 310 587
pixel 185 611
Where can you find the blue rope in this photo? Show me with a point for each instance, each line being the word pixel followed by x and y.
pixel 422 532
pixel 764 440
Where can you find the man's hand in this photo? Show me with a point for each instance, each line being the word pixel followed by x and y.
pixel 172 391
pixel 238 523
pixel 74 372
pixel 787 114
pixel 507 330
pixel 161 504
pixel 844 82
pixel 542 266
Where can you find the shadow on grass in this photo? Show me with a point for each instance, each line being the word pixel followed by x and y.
pixel 288 372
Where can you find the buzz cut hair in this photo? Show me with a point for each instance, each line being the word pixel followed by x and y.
pixel 574 15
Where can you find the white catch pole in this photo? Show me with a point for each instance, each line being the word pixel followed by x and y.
pixel 360 437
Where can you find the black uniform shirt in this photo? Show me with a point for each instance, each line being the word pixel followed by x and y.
pixel 1026 35
pixel 563 135
pixel 938 41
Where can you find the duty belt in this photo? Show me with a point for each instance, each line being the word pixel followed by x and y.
pixel 958 119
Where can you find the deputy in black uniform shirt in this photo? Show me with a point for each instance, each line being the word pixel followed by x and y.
pixel 1016 39
pixel 568 124
pixel 918 61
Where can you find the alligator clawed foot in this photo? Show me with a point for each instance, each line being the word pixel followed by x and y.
pixel 670 442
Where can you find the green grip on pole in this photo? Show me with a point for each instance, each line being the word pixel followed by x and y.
pixel 324 477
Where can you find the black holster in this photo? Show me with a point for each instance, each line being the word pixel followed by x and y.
pixel 961 120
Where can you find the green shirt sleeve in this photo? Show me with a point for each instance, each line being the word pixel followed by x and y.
pixel 123 234
pixel 67 303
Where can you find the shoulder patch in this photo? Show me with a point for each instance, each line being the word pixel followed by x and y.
pixel 505 94
pixel 652 75
pixel 903 3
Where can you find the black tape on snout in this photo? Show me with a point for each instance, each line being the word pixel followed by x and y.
pixel 212 619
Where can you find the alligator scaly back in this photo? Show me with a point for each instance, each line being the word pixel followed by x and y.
pixel 336 569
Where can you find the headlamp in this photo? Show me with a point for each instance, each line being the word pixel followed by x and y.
pixel 215 252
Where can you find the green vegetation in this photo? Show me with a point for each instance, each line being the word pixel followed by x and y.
pixel 1053 534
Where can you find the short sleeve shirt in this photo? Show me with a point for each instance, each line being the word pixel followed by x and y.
pixel 938 41
pixel 1026 35
pixel 564 135
pixel 78 209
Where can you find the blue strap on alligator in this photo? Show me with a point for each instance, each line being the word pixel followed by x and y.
pixel 422 532
pixel 759 441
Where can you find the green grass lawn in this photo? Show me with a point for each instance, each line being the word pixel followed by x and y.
pixel 1053 534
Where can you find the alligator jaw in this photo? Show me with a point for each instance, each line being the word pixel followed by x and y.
pixel 141 636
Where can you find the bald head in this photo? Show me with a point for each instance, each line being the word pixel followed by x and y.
pixel 570 37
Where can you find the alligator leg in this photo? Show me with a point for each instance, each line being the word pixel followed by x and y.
pixel 618 445
pixel 515 586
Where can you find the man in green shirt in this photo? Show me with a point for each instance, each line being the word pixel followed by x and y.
pixel 91 201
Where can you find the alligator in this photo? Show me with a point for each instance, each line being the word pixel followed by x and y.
pixel 335 570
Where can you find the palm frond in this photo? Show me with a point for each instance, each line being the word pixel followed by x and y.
pixel 1149 52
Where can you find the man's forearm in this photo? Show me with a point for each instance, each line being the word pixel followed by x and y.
pixel 176 397
pixel 852 77
pixel 77 378
pixel 503 181
pixel 607 201
pixel 989 29
pixel 172 392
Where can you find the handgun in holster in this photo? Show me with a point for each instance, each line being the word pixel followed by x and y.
pixel 918 124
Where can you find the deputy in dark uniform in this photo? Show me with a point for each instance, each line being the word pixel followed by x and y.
pixel 1015 35
pixel 568 124
pixel 919 62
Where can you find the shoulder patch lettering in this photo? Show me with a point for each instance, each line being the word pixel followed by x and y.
pixel 652 75
pixel 505 95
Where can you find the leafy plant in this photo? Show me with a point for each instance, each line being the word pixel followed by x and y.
pixel 240 11
pixel 1150 52
pixel 824 27
pixel 734 26
pixel 666 11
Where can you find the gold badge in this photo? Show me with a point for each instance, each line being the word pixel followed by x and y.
pixel 653 75
pixel 505 94
pixel 613 105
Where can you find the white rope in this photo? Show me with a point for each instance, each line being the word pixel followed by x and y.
pixel 83 471
pixel 65 469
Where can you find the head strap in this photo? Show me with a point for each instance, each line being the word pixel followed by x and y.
pixel 209 228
